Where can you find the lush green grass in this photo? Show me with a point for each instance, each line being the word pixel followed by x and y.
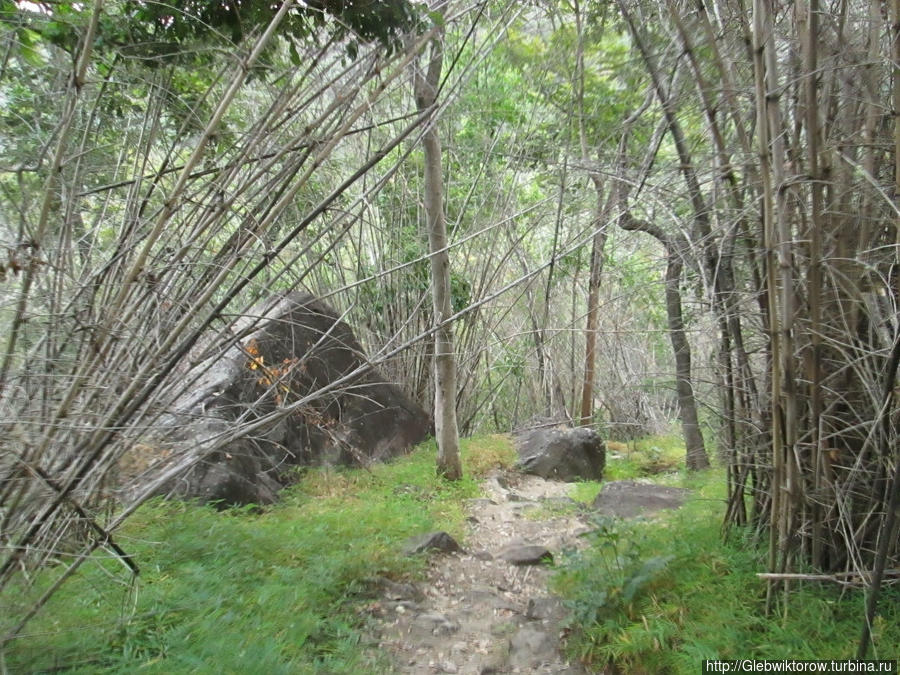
pixel 279 591
pixel 660 595
pixel 659 456
pixel 245 592
pixel 644 457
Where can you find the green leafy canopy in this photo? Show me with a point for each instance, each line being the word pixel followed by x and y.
pixel 161 31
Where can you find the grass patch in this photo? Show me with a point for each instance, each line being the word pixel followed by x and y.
pixel 585 492
pixel 278 590
pixel 650 456
pixel 483 454
pixel 660 596
pixel 238 591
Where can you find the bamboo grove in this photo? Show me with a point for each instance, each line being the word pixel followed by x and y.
pixel 795 234
pixel 810 427
pixel 738 156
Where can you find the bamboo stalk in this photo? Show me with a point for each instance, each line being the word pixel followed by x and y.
pixel 761 34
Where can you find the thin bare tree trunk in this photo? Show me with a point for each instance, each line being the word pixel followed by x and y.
pixel 445 424
pixel 892 512
pixel 814 282
pixel 590 334
pixel 598 243
pixel 762 33
pixel 702 234
pixel 696 457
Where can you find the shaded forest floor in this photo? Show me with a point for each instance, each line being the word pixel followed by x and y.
pixel 294 588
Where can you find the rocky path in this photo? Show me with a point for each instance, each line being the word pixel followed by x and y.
pixel 487 609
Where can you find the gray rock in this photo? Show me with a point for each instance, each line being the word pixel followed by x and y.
pixel 530 647
pixel 435 623
pixel 628 498
pixel 495 664
pixel 404 606
pixel 562 502
pixel 290 346
pixel 481 597
pixel 561 454
pixel 396 590
pixel 525 554
pixel 503 481
pixel 480 501
pixel 544 608
pixel 431 541
pixel 479 594
pixel 497 660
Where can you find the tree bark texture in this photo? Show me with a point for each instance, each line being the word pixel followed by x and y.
pixel 445 424
pixel 590 333
pixel 695 457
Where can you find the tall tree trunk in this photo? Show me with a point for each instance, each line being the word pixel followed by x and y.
pixel 590 333
pixel 445 425
pixel 814 276
pixel 598 243
pixel 701 230
pixel 696 457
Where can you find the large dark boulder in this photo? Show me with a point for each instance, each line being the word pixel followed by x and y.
pixel 288 350
pixel 561 454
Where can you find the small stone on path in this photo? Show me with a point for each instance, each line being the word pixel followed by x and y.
pixel 530 647
pixel 525 554
pixel 480 501
pixel 436 623
pixel 546 607
pixel 432 541
pixel 397 590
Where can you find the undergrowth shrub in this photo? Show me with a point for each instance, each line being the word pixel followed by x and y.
pixel 659 595
pixel 246 590
pixel 604 584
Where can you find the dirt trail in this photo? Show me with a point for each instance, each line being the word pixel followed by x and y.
pixel 476 612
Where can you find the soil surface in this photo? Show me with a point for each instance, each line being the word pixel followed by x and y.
pixel 487 609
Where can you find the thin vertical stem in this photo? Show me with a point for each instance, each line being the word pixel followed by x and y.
pixel 761 28
pixel 814 283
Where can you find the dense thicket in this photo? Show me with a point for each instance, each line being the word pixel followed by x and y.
pixel 656 212
pixel 793 227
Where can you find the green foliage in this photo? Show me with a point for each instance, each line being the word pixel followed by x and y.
pixel 164 31
pixel 611 80
pixel 386 297
pixel 482 454
pixel 192 19
pixel 460 292
pixel 274 591
pixel 604 583
pixel 660 596
pixel 586 491
pixel 643 457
